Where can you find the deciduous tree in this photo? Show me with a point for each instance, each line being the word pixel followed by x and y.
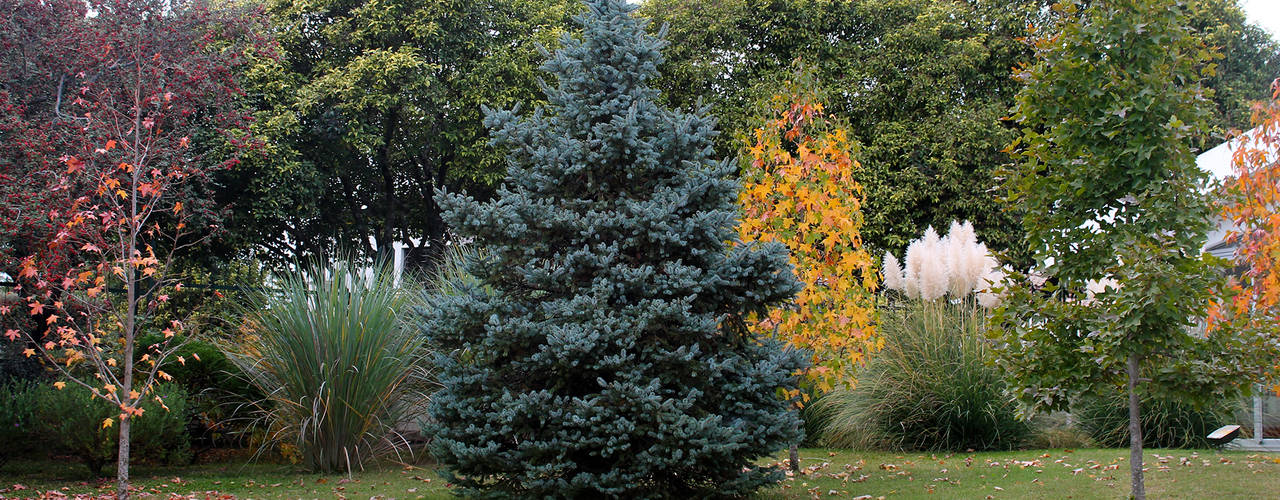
pixel 798 189
pixel 117 164
pixel 372 106
pixel 1108 179
pixel 1251 203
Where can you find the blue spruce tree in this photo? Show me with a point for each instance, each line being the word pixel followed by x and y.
pixel 603 352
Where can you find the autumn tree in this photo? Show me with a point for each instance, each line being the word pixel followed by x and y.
pixel 118 165
pixel 603 350
pixel 1107 175
pixel 798 190
pixel 1252 203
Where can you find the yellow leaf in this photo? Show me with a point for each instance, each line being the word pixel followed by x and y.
pixel 108 423
pixel 59 385
pixel 111 389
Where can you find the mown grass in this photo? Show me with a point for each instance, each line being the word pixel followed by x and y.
pixel 1077 474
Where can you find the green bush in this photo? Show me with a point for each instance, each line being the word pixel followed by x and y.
pixel 215 387
pixel 1165 423
pixel 16 420
pixel 69 421
pixel 930 388
pixel 339 368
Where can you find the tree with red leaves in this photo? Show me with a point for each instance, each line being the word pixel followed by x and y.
pixel 105 120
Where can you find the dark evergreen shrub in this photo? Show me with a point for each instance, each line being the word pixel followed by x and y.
pixel 216 388
pixel 69 422
pixel 603 352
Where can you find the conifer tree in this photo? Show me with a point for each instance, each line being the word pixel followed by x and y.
pixel 603 350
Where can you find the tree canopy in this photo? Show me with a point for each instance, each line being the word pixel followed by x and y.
pixel 371 107
pixel 925 86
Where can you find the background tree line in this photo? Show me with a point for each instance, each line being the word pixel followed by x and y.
pixel 368 107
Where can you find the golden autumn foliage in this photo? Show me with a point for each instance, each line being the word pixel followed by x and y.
pixel 1254 206
pixel 798 189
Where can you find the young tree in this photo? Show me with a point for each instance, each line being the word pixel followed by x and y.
pixel 798 189
pixel 150 73
pixel 1111 190
pixel 605 350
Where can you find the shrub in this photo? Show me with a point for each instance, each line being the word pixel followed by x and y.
pixel 930 388
pixel 16 419
pixel 70 421
pixel 337 365
pixel 1166 423
pixel 215 388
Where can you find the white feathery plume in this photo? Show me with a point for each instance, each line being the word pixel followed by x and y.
pixel 911 271
pixel 892 272
pixel 933 267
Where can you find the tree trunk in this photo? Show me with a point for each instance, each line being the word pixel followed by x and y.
pixel 1139 491
pixel 795 458
pixel 122 462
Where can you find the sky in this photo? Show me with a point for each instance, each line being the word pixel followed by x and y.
pixel 1265 13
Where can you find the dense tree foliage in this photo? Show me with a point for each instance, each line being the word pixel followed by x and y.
pixel 1116 212
pixel 373 106
pixel 605 351
pixel 925 86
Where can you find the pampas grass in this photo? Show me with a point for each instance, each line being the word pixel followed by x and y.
pixel 928 389
pixel 340 368
pixel 954 266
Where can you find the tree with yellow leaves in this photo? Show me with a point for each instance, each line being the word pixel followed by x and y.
pixel 798 189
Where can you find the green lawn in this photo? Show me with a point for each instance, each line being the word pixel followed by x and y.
pixel 1022 474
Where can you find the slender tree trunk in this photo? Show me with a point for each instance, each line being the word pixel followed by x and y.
pixel 1139 490
pixel 131 283
pixel 122 462
pixel 795 458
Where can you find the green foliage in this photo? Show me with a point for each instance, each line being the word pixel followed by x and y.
pixel 931 387
pixel 1111 194
pixel 1111 189
pixel 69 421
pixel 604 351
pixel 338 366
pixel 372 106
pixel 1166 423
pixel 932 84
pixel 215 388
pixel 17 419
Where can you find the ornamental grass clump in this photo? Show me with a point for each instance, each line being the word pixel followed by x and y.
pixel 930 388
pixel 339 368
